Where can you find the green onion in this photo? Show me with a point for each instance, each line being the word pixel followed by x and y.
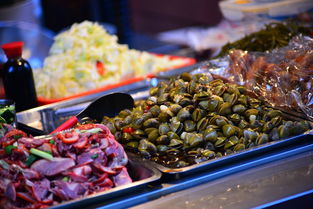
pixel 17 136
pixel 41 153
pixel 94 156
pixel 4 164
pixel 8 149
pixel 66 178
pixel 2 120
pixel 30 160
pixel 93 130
pixel 52 141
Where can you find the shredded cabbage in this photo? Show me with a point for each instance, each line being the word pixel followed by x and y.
pixel 71 66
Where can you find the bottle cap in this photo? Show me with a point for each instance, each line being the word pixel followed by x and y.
pixel 13 49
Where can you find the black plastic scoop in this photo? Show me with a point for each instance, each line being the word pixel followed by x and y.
pixel 107 105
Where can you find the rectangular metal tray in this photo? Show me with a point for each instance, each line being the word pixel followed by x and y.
pixel 231 158
pixel 142 174
pixel 209 165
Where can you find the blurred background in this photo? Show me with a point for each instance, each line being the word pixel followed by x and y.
pixel 135 22
pixel 194 28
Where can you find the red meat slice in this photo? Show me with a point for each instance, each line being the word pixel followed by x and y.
pixel 30 142
pixel 52 167
pixel 122 178
pixel 67 190
pixel 40 189
pixel 31 174
pixel 10 191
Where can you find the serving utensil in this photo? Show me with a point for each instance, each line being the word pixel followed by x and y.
pixel 107 105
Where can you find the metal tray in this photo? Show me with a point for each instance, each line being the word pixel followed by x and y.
pixel 141 173
pixel 260 150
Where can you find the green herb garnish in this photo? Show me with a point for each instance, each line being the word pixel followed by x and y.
pixel 4 164
pixel 17 136
pixel 2 120
pixel 30 160
pixel 66 178
pixel 40 153
pixel 94 156
pixel 52 141
pixel 8 149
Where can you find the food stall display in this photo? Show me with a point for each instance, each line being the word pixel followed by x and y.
pixel 194 118
pixel 226 109
pixel 86 57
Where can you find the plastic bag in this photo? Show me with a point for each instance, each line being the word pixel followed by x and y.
pixel 200 39
pixel 283 77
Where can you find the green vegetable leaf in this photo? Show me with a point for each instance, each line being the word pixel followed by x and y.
pixel 8 149
pixel 94 156
pixel 30 160
pixel 17 136
pixel 66 178
pixel 52 141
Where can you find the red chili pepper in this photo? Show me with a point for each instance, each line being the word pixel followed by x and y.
pixel 69 140
pixel 47 201
pixel 106 182
pixel 68 135
pixel 25 196
pixel 100 68
pixel 147 109
pixel 100 179
pixel 128 130
pixel 15 132
pixel 81 143
pixel 86 126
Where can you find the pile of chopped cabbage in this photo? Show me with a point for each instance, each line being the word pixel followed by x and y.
pixel 72 65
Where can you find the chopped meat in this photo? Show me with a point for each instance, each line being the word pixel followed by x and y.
pixel 52 167
pixel 10 191
pixel 31 174
pixel 80 163
pixel 122 178
pixel 68 191
pixel 30 142
pixel 40 189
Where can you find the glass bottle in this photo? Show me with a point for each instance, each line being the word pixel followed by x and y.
pixel 18 78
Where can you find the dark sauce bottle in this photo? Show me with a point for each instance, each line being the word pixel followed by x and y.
pixel 18 78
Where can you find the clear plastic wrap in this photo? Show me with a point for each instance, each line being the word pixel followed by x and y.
pixel 282 77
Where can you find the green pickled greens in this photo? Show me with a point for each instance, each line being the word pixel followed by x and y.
pixel 7 114
pixel 274 35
